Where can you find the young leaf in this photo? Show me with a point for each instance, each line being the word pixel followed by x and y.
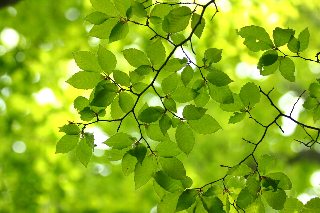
pixel 120 140
pixel 96 17
pixel 107 60
pixel 185 138
pixel 70 129
pixel 275 199
pixel 237 117
pixel 218 78
pixel 245 198
pixel 85 80
pixel 173 167
pixel 287 69
pixel 187 75
pixel 119 31
pixel 212 55
pixel 151 114
pixel 121 78
pixel 303 39
pixel 126 102
pixel 84 149
pixel 87 61
pixel 183 94
pixel 135 57
pixel 103 30
pixel 177 20
pixel 165 123
pixel 256 38
pixel 194 21
pixel 167 148
pixel 67 143
pixel 186 199
pixel 156 52
pixel 128 163
pixel 191 112
pixel 80 103
pixel 105 6
pixel 144 171
pixel 170 83
pixel 205 125
pixel 282 36
pixel 249 94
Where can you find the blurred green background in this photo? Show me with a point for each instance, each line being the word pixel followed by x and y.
pixel 37 39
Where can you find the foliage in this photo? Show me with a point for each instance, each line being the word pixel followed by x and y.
pixel 163 133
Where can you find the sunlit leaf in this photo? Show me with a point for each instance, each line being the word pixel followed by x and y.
pixel 106 59
pixel 200 24
pixel 185 138
pixel 282 36
pixel 120 140
pixel 67 143
pixel 256 38
pixel 151 114
pixel 287 69
pixel 205 125
pixel 177 20
pixel 84 80
pixel 173 167
pixel 135 57
pixel 144 171
pixel 186 199
pixel 250 94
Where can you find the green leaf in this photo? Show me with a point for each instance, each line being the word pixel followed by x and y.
pixel 87 114
pixel 154 132
pixel 139 10
pixel 67 143
pixel 293 45
pixel 185 138
pixel 316 114
pixel 177 38
pixel 114 154
pixel 107 60
pixel 312 206
pixel 151 114
pixel 173 168
pixel 85 80
pixel 167 148
pixel 126 102
pixel 293 205
pixel 303 39
pixel 268 70
pixel 121 78
pixel 128 163
pixel 287 69
pixel 80 103
pixel 174 65
pixel 165 123
pixel 202 98
pixel 191 112
pixel 212 55
pixel 122 6
pixel 170 104
pixel 96 17
pixel 156 52
pixel 256 38
pixel 222 95
pixel 218 78
pixel 104 94
pixel 105 6
pixel 214 205
pixel 314 90
pixel 268 58
pixel 85 148
pixel 177 20
pixel 70 129
pixel 250 94
pixel 237 117
pixel 284 181
pixel 170 83
pixel 120 140
pixel 86 60
pixel 103 30
pixel 144 171
pixel 183 94
pixel 194 21
pixel 186 199
pixel 275 199
pixel 168 203
pixel 266 163
pixel 167 183
pixel 139 151
pixel 205 125
pixel 310 103
pixel 119 31
pixel 282 36
pixel 256 206
pixel 187 75
pixel 245 198
pixel 135 57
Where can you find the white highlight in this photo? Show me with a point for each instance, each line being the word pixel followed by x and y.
pixel 3 106
pixel 186 54
pixel 315 179
pixel 19 147
pixel 102 169
pixel 9 38
pixel 286 103
pixel 304 197
pixel 99 137
pixel 245 70
pixel 72 14
pixel 46 97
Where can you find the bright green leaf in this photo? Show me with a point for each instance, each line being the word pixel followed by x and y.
pixel 103 30
pixel 151 114
pixel 205 125
pixel 126 102
pixel 186 199
pixel 200 26
pixel 173 167
pixel 144 171
pixel 85 80
pixel 250 94
pixel 121 78
pixel 170 83
pixel 87 61
pixel 118 32
pixel 275 199
pixel 135 57
pixel 177 20
pixel 120 140
pixel 165 123
pixel 84 149
pixel 156 52
pixel 212 55
pixel 218 78
pixel 107 60
pixel 282 36
pixel 237 117
pixel 105 6
pixel 96 17
pixel 245 198
pixel 67 143
pixel 287 69
pixel 191 112
pixel 314 90
pixel 70 129
pixel 187 75
pixel 167 148
pixel 185 138
pixel 128 163
pixel 303 39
